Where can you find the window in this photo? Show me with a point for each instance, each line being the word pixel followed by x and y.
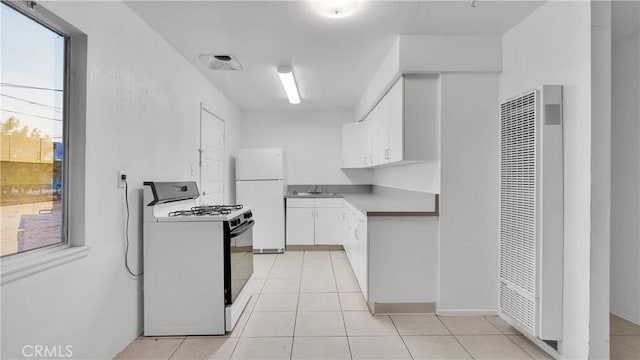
pixel 33 125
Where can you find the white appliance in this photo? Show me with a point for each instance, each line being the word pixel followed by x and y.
pixel 198 262
pixel 531 221
pixel 261 185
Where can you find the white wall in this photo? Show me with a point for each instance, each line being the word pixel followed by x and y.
pixel 600 224
pixel 552 46
pixel 625 167
pixel 312 141
pixel 142 117
pixel 469 194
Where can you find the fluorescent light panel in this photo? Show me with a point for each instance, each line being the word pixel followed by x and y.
pixel 289 84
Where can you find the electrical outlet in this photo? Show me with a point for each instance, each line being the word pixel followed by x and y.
pixel 120 181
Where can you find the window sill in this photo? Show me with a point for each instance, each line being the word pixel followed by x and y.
pixel 33 262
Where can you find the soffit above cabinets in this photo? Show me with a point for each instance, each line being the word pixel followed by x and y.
pixel 334 59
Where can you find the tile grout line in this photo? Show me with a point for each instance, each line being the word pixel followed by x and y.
pixel 401 338
pixel 455 337
pixel 177 348
pixel 344 323
pixel 295 319
pixel 510 339
pixel 251 312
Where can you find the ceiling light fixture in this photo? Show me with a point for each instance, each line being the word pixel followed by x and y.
pixel 289 84
pixel 336 9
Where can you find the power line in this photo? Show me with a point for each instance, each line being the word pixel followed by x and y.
pixel 29 87
pixel 31 102
pixel 38 116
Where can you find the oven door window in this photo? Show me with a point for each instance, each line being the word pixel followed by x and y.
pixel 241 260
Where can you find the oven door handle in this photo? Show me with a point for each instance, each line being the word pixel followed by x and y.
pixel 246 226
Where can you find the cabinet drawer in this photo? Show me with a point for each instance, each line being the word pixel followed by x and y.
pixel 300 203
pixel 329 203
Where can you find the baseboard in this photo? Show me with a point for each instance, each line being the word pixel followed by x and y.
pixel 466 312
pixel 315 247
pixel 402 308
pixel 625 317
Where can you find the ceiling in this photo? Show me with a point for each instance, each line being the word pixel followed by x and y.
pixel 333 59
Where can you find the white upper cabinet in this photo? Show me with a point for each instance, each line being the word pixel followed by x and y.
pixel 367 143
pixel 421 136
pixel 394 150
pixel 401 128
pixel 380 139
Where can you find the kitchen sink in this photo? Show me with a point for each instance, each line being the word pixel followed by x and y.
pixel 313 193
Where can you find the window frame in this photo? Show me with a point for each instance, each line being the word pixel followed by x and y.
pixel 72 246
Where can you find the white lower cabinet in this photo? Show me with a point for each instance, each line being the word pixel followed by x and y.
pixel 362 239
pixel 328 229
pixel 300 226
pixel 356 245
pixel 314 222
pixel 394 258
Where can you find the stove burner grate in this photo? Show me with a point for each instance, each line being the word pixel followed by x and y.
pixel 207 210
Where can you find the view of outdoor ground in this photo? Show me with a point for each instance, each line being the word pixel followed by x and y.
pixel 32 63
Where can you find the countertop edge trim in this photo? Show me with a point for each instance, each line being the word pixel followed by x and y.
pixel 409 213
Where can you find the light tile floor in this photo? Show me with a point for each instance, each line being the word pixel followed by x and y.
pixel 307 305
pixel 625 339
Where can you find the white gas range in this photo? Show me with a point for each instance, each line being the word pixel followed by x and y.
pixel 198 261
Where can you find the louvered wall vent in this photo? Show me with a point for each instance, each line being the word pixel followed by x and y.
pixel 531 223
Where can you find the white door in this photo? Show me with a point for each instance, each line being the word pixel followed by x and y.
pixel 211 158
pixel 300 226
pixel 328 226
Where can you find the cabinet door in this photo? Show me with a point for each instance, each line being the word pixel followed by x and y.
pixel 352 244
pixel 352 145
pixel 300 226
pixel 381 132
pixel 395 122
pixel 362 273
pixel 367 141
pixel 300 203
pixel 345 227
pixel 328 226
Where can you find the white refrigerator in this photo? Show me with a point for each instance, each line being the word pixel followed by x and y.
pixel 260 185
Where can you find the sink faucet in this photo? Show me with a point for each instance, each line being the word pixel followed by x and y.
pixel 317 189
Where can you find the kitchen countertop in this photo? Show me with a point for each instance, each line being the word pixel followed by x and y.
pixel 386 201
pixel 314 196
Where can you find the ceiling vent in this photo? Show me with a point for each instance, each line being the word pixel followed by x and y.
pixel 221 62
